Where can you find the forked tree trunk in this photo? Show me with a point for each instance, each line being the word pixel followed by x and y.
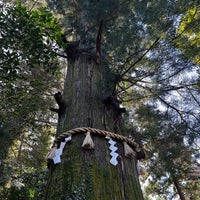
pixel 88 174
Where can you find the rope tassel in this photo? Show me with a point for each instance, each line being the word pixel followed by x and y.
pixel 128 151
pixel 52 153
pixel 88 143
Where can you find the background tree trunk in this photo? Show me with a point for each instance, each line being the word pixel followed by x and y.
pixel 88 174
pixel 178 188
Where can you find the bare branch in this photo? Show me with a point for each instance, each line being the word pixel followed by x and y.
pixel 139 59
pixel 176 87
pixel 172 107
pixel 195 99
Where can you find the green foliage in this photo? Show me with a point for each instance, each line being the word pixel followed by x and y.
pixel 27 38
pixel 29 185
pixel 29 73
pixel 25 166
pixel 28 64
pixel 189 34
pixel 170 155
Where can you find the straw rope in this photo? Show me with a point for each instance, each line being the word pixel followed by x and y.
pixel 83 130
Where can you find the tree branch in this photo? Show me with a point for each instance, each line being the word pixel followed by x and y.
pixel 195 99
pixel 174 108
pixel 61 103
pixel 139 59
pixel 173 87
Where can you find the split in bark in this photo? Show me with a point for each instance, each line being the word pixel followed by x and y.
pixel 98 43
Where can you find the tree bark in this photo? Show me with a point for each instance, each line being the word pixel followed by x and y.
pixel 88 174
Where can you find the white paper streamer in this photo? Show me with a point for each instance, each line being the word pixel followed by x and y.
pixel 69 138
pixel 113 154
pixel 59 151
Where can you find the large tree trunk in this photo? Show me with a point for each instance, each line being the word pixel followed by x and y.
pixel 88 174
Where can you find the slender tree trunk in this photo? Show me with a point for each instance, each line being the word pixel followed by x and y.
pixel 88 174
pixel 178 188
